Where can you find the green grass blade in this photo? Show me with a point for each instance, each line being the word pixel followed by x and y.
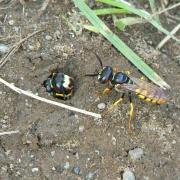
pixel 140 12
pixel 106 11
pixel 153 8
pixel 90 28
pixel 119 44
pixel 128 21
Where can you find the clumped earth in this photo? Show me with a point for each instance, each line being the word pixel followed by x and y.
pixel 54 143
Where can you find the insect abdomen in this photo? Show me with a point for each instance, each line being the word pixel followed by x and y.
pixel 149 98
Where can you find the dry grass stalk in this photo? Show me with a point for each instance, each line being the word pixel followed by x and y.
pixel 29 94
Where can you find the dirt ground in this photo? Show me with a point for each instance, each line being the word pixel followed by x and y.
pixel 54 143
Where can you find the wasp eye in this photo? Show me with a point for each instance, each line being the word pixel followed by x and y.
pixel 105 74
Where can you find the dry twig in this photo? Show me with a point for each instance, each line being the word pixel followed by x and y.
pixel 15 47
pixel 71 108
pixel 166 9
pixel 166 39
pixel 9 132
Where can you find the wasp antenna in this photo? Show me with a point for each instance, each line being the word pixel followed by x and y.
pixel 92 75
pixel 99 59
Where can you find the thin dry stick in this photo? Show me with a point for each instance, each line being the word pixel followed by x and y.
pixel 15 47
pixel 173 17
pixel 166 39
pixel 9 132
pixel 166 9
pixel 71 108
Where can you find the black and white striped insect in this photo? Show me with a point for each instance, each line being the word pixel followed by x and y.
pixel 59 84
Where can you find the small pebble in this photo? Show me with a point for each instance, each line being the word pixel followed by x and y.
pixel 6 117
pixel 113 140
pixel 77 156
pixel 81 128
pixel 48 38
pixel 76 170
pixel 30 47
pixel 52 153
pixel 90 176
pixel 101 106
pixel 61 168
pixel 18 173
pixel 66 165
pixel 35 170
pixel 136 153
pixel 128 174
pixel 11 22
pixel 3 49
pixel 31 156
pixel 3 121
pixel 72 34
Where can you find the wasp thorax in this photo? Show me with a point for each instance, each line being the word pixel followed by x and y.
pixel 105 74
pixel 120 78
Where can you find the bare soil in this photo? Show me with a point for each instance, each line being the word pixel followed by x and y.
pixel 50 136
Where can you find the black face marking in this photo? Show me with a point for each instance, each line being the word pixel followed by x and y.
pixel 120 78
pixel 105 74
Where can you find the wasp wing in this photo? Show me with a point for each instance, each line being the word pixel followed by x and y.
pixel 144 88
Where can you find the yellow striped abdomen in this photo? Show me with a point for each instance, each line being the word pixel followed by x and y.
pixel 146 96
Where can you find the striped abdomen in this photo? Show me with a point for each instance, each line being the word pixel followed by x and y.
pixel 157 96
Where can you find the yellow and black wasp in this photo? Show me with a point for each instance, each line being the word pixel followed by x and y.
pixel 123 81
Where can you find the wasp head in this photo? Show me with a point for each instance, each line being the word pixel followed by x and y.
pixel 105 74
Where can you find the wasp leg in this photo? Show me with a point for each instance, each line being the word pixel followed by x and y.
pixel 116 103
pixel 107 90
pixel 131 111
